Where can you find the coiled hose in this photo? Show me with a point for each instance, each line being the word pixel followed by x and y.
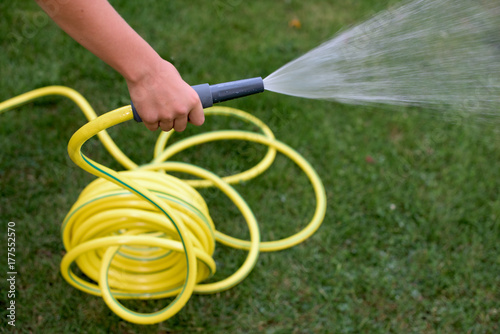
pixel 144 234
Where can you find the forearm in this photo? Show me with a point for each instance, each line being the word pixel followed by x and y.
pixel 157 90
pixel 99 28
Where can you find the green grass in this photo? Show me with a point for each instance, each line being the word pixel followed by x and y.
pixel 410 242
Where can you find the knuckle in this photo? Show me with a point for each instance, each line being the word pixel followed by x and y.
pixel 194 98
pixel 167 119
pixel 149 118
pixel 181 109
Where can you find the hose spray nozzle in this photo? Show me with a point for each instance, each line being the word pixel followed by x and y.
pixel 210 94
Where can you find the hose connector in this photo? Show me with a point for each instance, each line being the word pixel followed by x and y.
pixel 210 94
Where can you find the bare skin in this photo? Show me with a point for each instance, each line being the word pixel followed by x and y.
pixel 162 98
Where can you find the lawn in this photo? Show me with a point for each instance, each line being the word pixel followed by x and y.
pixel 410 241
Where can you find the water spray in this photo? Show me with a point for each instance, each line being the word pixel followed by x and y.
pixel 439 55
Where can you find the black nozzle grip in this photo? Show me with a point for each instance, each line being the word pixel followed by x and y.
pixel 235 89
pixel 221 92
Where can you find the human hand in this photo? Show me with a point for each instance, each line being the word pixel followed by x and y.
pixel 163 100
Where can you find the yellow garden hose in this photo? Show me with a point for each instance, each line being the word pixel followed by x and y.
pixel 144 234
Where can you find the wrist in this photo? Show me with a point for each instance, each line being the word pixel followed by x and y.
pixel 140 67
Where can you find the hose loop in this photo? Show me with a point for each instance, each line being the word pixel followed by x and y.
pixel 142 233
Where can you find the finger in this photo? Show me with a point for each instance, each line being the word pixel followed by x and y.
pixel 151 126
pixel 166 125
pixel 180 124
pixel 197 115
